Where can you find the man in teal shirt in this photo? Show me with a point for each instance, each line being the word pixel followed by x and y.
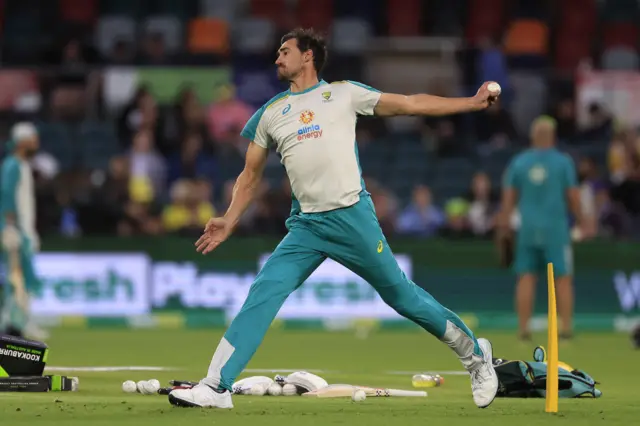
pixel 19 236
pixel 542 182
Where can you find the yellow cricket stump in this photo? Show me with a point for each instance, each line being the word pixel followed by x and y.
pixel 551 400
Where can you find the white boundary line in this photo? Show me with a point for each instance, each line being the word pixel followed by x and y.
pixel 442 373
pixel 111 369
pixel 390 373
pixel 102 369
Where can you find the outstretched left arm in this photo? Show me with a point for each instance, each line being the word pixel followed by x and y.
pixel 422 104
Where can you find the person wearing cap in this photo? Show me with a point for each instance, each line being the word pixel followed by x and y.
pixel 18 229
pixel 542 183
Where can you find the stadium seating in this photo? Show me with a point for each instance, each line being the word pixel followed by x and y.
pixel 526 37
pixel 403 17
pixel 97 144
pixel 132 9
pixel 620 34
pixel 79 11
pixel 350 35
pixel 182 10
pixel 619 11
pixel 276 11
pixel 620 58
pixel 563 32
pixel 314 14
pixel 208 36
pixel 254 36
pixel 169 27
pixel 484 19
pixel 57 140
pixel 114 28
pixel 226 10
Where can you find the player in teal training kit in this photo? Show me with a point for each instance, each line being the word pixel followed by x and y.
pixel 543 183
pixel 312 127
pixel 19 235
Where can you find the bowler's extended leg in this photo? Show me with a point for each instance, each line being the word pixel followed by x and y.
pixel 365 251
pixel 288 267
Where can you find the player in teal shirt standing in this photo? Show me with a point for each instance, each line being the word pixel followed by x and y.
pixel 542 183
pixel 18 234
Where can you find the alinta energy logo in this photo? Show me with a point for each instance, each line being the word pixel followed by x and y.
pixel 309 131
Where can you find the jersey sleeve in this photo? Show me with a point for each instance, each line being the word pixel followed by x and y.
pixel 9 185
pixel 363 98
pixel 570 174
pixel 256 129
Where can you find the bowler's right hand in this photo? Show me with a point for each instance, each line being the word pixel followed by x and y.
pixel 215 232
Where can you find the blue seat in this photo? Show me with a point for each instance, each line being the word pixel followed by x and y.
pixel 57 140
pixel 97 143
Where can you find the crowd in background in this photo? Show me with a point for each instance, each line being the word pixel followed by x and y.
pixel 167 178
pixel 177 161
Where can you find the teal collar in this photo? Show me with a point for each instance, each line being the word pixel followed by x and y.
pixel 315 86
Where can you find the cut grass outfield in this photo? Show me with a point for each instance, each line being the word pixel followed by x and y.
pixel 609 358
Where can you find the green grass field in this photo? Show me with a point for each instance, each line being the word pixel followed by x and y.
pixel 608 358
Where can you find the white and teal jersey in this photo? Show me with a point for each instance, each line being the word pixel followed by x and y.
pixel 18 197
pixel 314 131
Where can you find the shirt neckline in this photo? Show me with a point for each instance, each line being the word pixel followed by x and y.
pixel 315 86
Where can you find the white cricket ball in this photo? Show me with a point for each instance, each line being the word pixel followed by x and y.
pixel 274 389
pixel 129 386
pixel 494 88
pixel 358 395
pixel 258 390
pixel 289 390
pixel 145 388
pixel 154 384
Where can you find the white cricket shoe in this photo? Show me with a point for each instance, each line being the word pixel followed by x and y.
pixel 484 380
pixel 200 395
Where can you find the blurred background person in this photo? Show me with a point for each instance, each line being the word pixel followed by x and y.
pixel 542 182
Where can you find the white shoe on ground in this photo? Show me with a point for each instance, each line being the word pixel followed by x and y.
pixel 200 395
pixel 484 380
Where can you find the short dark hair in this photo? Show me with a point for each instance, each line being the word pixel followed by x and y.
pixel 309 39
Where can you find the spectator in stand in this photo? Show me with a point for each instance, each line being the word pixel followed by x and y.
pixel 193 161
pixel 154 51
pixel 189 114
pixel 140 113
pixel 457 225
pixel 591 185
pixel 600 124
pixel 421 217
pixel 141 212
pixel 483 206
pixel 495 126
pixel 227 115
pixel 189 209
pixel 624 162
pixel 565 116
pixel 146 163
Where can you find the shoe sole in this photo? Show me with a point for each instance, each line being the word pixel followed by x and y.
pixel 177 402
pixel 490 360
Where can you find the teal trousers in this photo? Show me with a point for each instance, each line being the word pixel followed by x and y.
pixel 352 237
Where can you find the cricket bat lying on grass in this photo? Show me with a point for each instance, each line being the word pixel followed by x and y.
pixel 339 391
